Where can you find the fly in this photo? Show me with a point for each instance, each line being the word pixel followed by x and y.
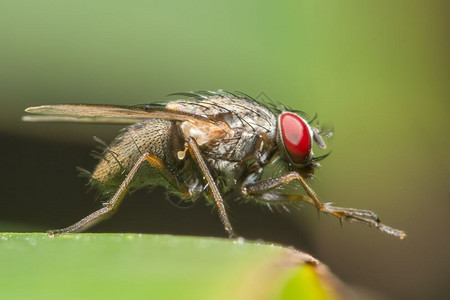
pixel 211 145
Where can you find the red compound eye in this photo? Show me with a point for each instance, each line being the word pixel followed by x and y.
pixel 296 136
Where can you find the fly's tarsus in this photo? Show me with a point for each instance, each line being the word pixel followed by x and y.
pixel 392 231
pixel 350 212
pixel 366 217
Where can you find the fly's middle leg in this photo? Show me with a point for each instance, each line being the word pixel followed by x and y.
pixel 196 154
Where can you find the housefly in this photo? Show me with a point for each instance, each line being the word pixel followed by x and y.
pixel 212 145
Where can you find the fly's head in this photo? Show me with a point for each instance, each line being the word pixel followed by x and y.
pixel 295 139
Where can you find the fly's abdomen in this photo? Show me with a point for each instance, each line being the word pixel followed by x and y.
pixel 159 137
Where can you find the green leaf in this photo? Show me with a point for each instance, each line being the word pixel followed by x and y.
pixel 136 266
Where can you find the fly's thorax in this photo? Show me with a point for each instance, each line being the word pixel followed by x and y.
pixel 242 131
pixel 159 137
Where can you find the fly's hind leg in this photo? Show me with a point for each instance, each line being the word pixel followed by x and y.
pixel 263 191
pixel 111 206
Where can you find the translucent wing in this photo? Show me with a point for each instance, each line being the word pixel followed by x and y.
pixel 112 114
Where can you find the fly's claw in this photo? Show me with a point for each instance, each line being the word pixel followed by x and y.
pixel 55 232
pixel 392 231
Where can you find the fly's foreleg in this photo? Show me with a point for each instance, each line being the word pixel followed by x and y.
pixel 264 186
pixel 111 206
pixel 263 191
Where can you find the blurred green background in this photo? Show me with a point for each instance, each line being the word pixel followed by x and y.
pixel 377 70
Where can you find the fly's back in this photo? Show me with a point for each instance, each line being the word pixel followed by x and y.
pixel 251 126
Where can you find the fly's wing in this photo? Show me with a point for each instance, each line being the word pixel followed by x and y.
pixel 111 114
